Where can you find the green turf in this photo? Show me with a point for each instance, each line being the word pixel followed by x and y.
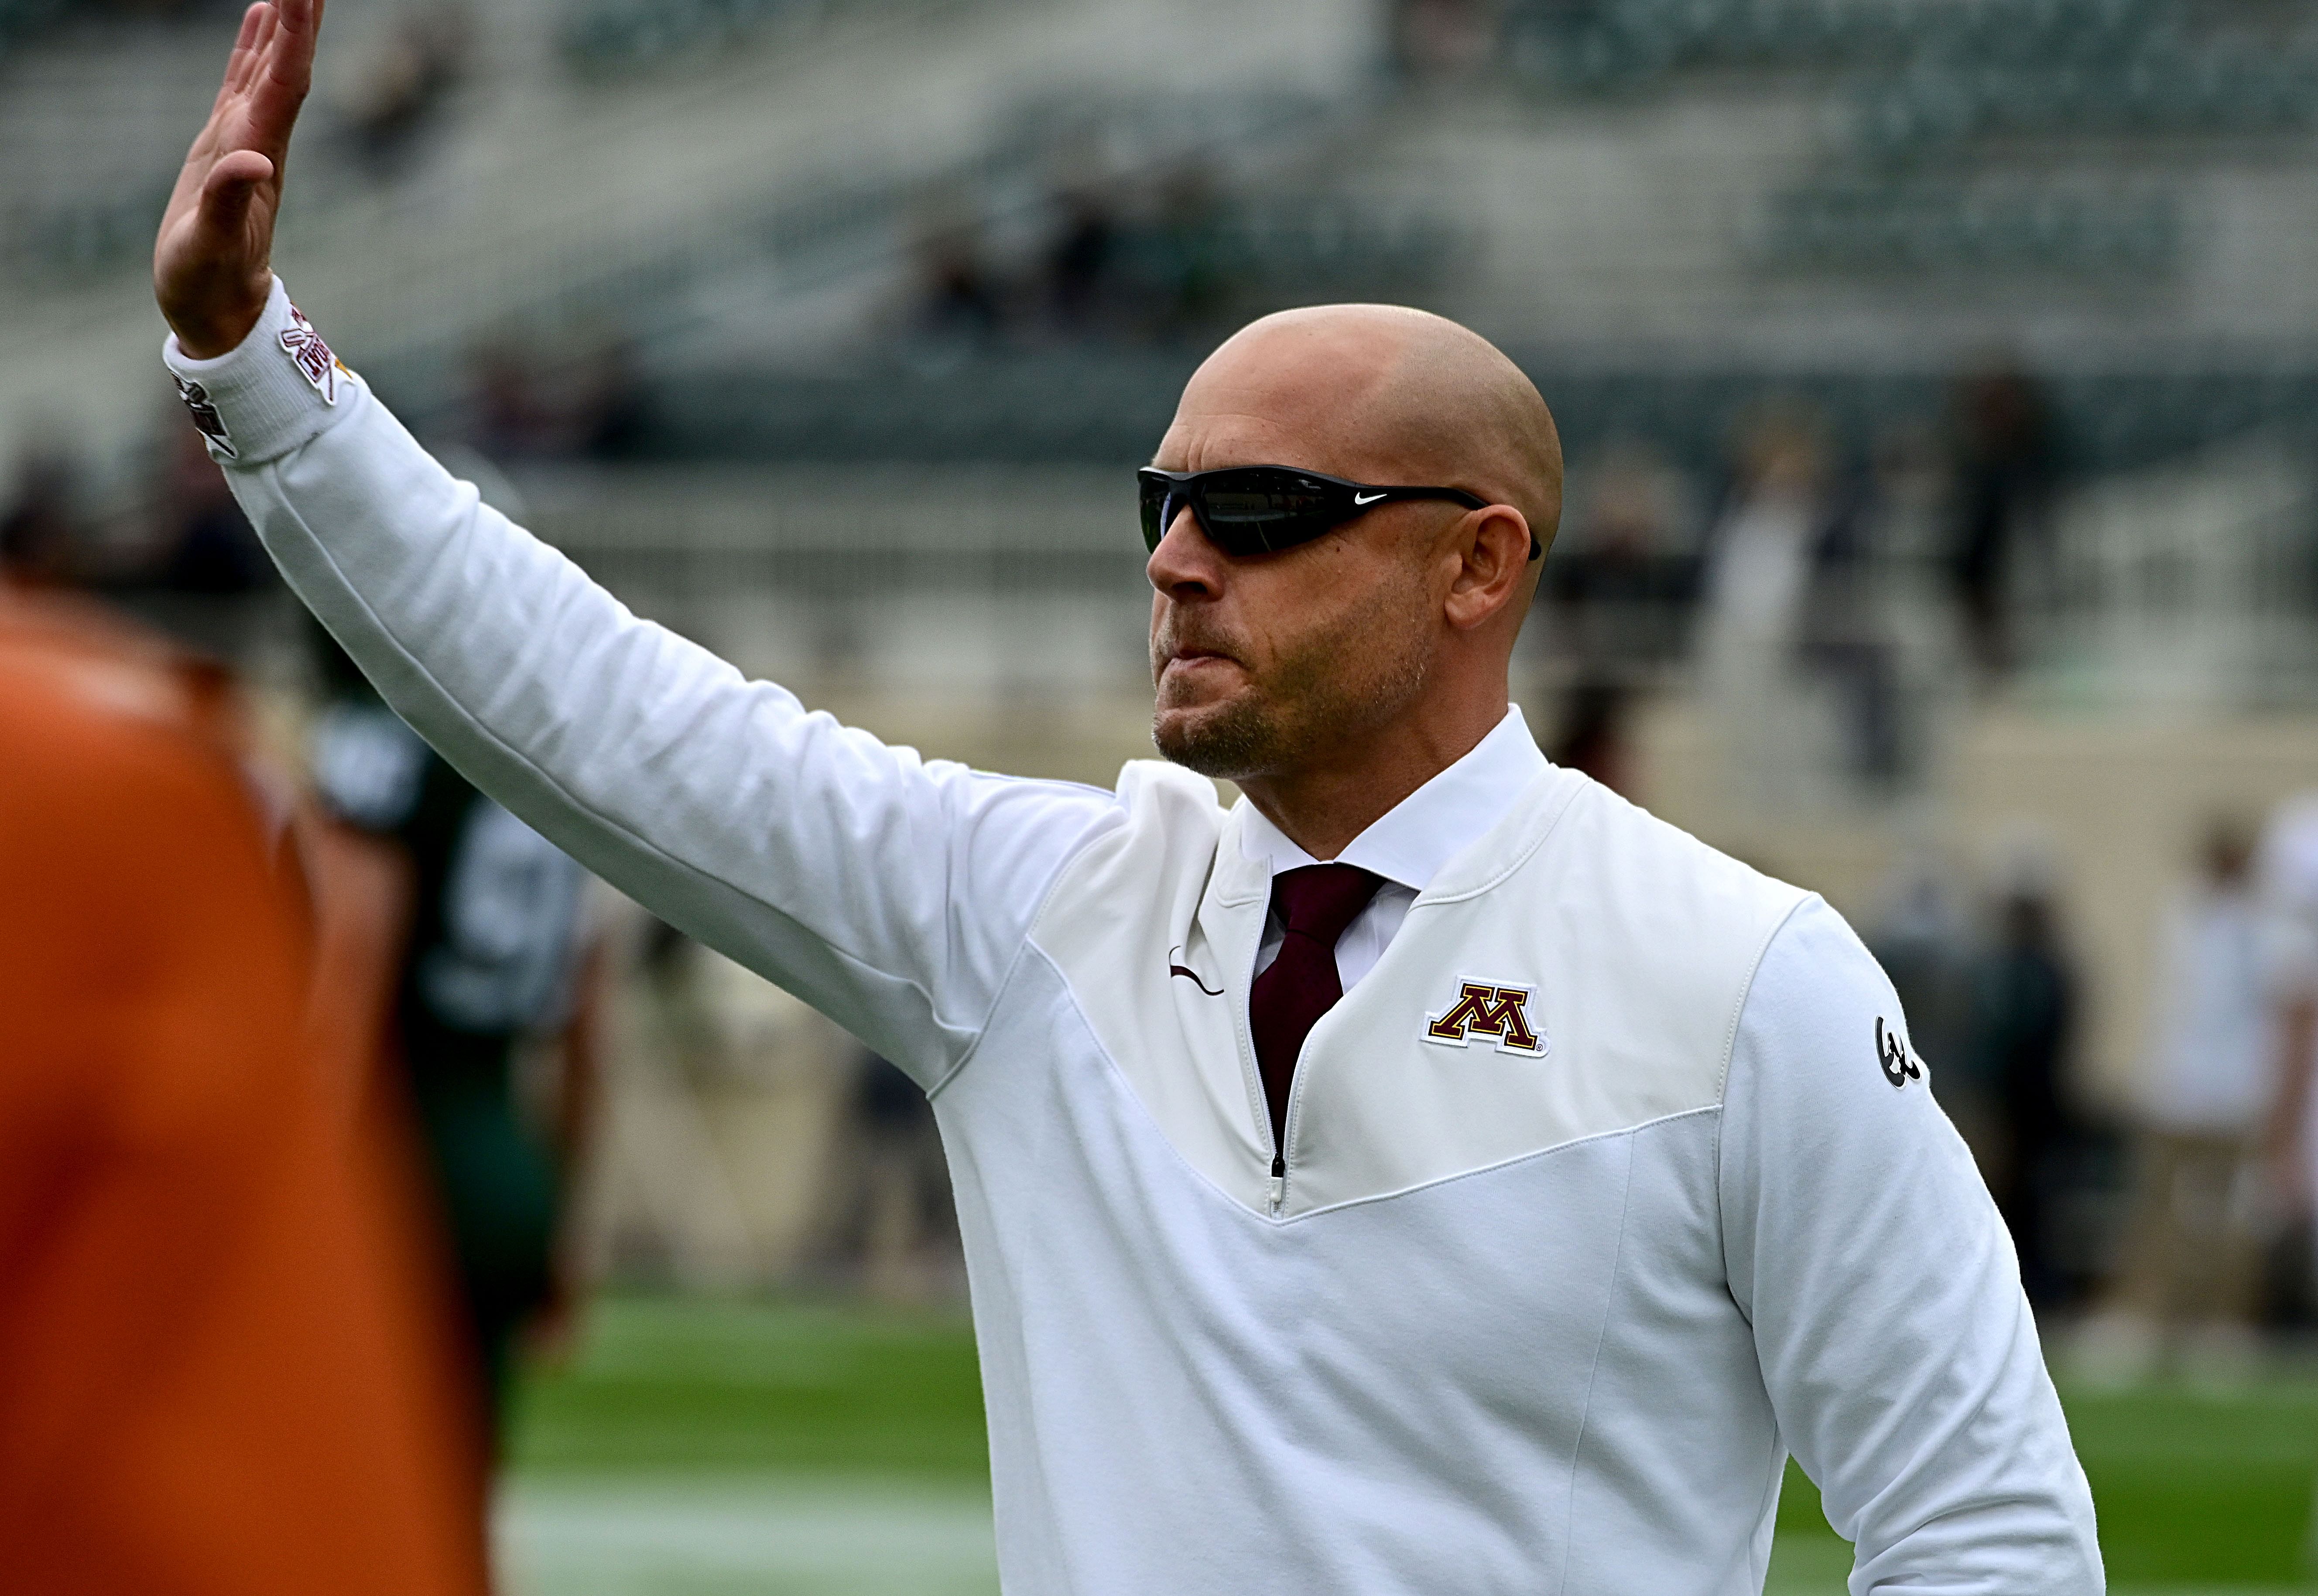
pixel 669 1385
pixel 2194 1490
pixel 2191 1488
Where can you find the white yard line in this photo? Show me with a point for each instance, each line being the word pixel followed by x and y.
pixel 786 1535
pixel 723 1536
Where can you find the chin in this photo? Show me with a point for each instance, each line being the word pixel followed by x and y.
pixel 1231 741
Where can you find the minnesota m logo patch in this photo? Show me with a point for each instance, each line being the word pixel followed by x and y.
pixel 1498 1012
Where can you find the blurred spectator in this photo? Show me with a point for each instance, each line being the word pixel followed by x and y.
pixel 1595 736
pixel 39 530
pixel 896 1222
pixel 1756 586
pixel 575 397
pixel 1923 940
pixel 1618 585
pixel 2005 464
pixel 1155 260
pixel 213 1300
pixel 1797 647
pixel 509 421
pixel 1847 644
pixel 401 98
pixel 958 301
pixel 2288 883
pixel 2190 1256
pixel 1442 38
pixel 2024 1027
pixel 1190 282
pixel 203 544
pixel 1079 260
pixel 488 959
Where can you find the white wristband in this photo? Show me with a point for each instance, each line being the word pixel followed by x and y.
pixel 274 390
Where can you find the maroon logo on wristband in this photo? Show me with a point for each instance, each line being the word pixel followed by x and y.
pixel 206 418
pixel 311 356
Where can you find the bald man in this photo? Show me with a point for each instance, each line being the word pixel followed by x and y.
pixel 1430 1174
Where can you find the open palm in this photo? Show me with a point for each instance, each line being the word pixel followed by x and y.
pixel 212 263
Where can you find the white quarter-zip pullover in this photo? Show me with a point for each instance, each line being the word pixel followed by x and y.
pixel 1610 1181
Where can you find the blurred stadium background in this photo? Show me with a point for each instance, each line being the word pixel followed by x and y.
pixel 1940 385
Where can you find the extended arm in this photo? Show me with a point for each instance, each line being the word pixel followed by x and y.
pixel 1890 1323
pixel 890 892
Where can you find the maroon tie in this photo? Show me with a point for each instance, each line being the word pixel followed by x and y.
pixel 1315 904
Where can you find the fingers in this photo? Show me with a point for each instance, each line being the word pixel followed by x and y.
pixel 237 63
pixel 261 44
pixel 216 132
pixel 209 256
pixel 290 49
pixel 237 69
pixel 254 23
pixel 283 73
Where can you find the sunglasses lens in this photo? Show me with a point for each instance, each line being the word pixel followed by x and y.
pixel 1156 511
pixel 1244 512
pixel 1250 512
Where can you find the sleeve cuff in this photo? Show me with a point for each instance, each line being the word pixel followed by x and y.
pixel 278 389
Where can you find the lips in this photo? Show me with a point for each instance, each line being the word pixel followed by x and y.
pixel 1191 662
pixel 1176 650
pixel 1172 647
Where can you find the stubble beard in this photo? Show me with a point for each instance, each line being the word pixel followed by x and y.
pixel 1335 687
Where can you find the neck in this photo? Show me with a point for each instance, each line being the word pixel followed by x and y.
pixel 1323 803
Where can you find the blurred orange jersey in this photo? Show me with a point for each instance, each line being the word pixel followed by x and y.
pixel 220 1376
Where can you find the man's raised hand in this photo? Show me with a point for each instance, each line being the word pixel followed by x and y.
pixel 212 263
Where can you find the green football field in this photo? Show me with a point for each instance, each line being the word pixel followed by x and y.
pixel 790 1448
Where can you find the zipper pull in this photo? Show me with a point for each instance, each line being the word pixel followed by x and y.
pixel 1278 1182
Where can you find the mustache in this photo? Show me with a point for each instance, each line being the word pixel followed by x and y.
pixel 1174 637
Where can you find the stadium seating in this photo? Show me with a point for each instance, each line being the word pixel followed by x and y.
pixel 1930 84
pixel 1856 225
pixel 603 38
pixel 21 18
pixel 93 114
pixel 543 200
pixel 1105 406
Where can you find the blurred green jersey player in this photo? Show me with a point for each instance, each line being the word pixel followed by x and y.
pixel 493 965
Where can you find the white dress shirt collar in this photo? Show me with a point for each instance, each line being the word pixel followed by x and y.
pixel 1410 842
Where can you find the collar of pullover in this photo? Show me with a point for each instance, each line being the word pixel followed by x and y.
pixel 1409 843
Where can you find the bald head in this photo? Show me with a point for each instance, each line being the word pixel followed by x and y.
pixel 1332 678
pixel 1378 393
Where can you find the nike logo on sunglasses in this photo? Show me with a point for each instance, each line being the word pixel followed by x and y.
pixel 1366 498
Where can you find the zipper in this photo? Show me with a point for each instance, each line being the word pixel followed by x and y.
pixel 1286 1133
pixel 1253 1076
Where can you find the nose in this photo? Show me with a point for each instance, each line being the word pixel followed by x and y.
pixel 1185 566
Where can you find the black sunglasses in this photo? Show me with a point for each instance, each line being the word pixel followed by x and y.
pixel 1259 509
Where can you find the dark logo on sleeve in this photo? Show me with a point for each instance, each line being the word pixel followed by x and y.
pixel 206 418
pixel 1899 1067
pixel 1188 974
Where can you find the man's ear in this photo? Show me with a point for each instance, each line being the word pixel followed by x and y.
pixel 1493 548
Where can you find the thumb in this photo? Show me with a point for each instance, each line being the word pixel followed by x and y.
pixel 227 190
